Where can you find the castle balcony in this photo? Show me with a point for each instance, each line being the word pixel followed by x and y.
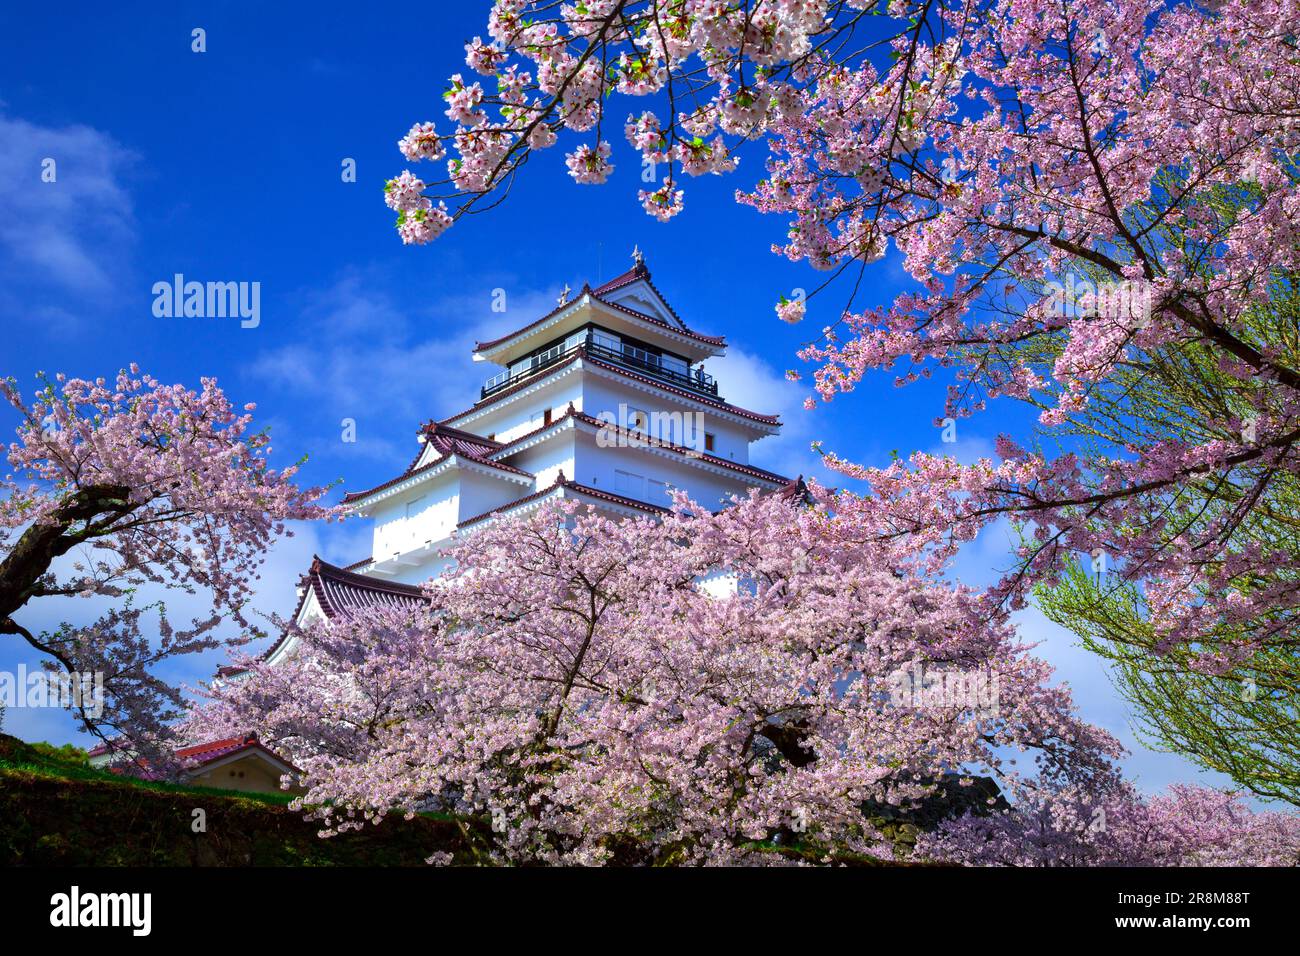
pixel 610 349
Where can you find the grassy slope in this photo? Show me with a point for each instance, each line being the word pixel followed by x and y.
pixel 60 812
pixel 55 813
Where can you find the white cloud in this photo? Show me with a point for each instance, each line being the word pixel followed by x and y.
pixel 387 367
pixel 63 234
pixel 1100 703
pixel 746 380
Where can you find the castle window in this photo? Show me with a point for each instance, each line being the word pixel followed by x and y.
pixel 546 417
pixel 629 484
pixel 708 441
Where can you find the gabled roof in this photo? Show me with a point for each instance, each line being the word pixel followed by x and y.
pixel 204 754
pixel 453 441
pixel 752 471
pixel 796 490
pixel 695 396
pixel 447 443
pixel 638 273
pixel 558 487
pixel 790 491
pixel 339 591
pixel 637 313
pixel 215 748
pixel 198 756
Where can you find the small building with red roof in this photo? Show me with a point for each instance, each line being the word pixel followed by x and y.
pixel 240 763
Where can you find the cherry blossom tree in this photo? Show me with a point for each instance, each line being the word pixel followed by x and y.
pixel 747 686
pixel 1086 192
pixel 125 483
pixel 1188 826
pixel 587 690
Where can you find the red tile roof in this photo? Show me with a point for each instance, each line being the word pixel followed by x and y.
pixel 706 399
pixel 571 412
pixel 339 591
pixel 562 482
pixel 449 441
pixel 203 754
pixel 455 441
pixel 216 748
pixel 638 271
pixel 627 278
pixel 796 490
pixel 690 333
pixel 685 452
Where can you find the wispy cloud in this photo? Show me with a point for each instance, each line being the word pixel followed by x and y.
pixel 383 365
pixel 66 234
pixel 746 380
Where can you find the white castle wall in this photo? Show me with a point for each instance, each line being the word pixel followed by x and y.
pixel 547 459
pixel 731 441
pixel 648 476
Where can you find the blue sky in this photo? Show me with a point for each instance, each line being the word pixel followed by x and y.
pixel 225 166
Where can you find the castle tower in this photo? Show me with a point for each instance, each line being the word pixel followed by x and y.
pixel 602 400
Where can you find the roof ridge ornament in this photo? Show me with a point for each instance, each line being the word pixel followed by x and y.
pixel 638 257
pixel 564 295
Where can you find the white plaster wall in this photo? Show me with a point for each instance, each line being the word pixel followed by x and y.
pixel 430 568
pixel 547 459
pixel 480 493
pixel 432 515
pixel 598 466
pixel 522 413
pixel 387 519
pixel 688 421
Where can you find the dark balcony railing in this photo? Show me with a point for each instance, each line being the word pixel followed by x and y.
pixel 610 350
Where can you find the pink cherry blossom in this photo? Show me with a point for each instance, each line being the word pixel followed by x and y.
pixel 139 484
pixel 589 166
